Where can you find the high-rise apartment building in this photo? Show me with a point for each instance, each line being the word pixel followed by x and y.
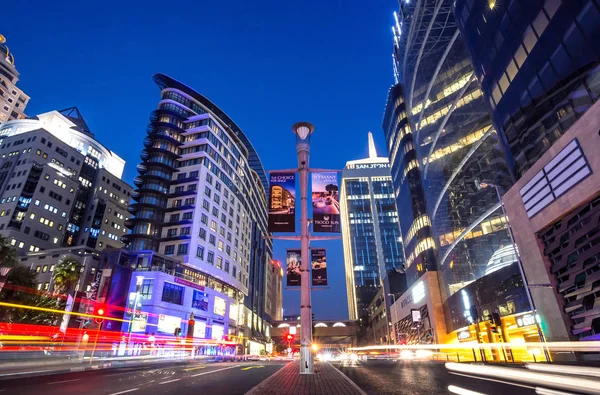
pixel 12 100
pixel 200 219
pixel 438 121
pixel 539 66
pixel 370 230
pixel 59 187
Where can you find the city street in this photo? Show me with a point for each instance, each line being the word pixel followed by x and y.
pixel 210 378
pixel 382 377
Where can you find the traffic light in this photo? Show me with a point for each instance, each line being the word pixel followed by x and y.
pixel 289 337
pixel 177 332
pixel 99 312
pixel 495 322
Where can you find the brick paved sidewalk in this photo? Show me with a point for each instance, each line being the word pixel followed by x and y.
pixel 288 381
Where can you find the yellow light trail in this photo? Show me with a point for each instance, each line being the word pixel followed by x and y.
pixel 22 306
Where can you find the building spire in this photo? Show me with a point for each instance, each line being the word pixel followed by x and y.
pixel 372 150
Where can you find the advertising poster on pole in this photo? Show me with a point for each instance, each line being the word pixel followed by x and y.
pixel 325 202
pixel 293 268
pixel 282 202
pixel 318 258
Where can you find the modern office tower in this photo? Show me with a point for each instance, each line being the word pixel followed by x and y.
pixel 59 187
pixel 415 224
pixel 200 215
pixel 370 231
pixel 460 159
pixel 12 100
pixel 539 66
pixel 274 292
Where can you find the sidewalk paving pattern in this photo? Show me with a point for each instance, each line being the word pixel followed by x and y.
pixel 288 381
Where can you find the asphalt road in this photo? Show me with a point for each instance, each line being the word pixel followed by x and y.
pixel 191 378
pixel 382 377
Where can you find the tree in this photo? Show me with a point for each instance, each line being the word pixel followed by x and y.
pixel 66 274
pixel 19 289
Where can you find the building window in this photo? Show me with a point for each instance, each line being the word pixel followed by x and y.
pixel 219 262
pixel 169 250
pixel 188 215
pixel 200 252
pixel 182 249
pixel 234 271
pixel 227 266
pixel 210 258
pixel 147 286
pixel 212 239
pixel 202 234
pixel 207 191
pixel 173 293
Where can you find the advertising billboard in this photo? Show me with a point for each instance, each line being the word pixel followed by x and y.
pixel 200 301
pixel 325 202
pixel 318 259
pixel 220 306
pixel 293 262
pixel 168 323
pixel 282 202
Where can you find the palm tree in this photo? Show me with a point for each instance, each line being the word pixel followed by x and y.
pixel 66 274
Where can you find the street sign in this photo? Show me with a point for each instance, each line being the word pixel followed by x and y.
pixel 416 315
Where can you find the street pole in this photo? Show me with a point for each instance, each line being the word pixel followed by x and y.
pixel 523 277
pixel 303 131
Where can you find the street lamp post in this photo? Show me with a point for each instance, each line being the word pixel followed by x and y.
pixel 523 277
pixel 303 130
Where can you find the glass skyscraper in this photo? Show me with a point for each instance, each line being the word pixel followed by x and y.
pixel 370 230
pixel 458 152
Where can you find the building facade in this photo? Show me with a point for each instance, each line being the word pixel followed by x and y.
pixel 538 63
pixel 458 151
pixel 370 231
pixel 12 99
pixel 274 291
pixel 415 224
pixel 59 187
pixel 201 198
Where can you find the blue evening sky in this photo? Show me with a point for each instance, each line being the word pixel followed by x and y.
pixel 266 63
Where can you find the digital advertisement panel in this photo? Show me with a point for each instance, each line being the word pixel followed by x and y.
pixel 220 306
pixel 200 301
pixel 325 202
pixel 168 323
pixel 318 258
pixel 293 268
pixel 282 202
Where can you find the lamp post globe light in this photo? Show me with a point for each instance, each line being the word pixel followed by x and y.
pixel 303 130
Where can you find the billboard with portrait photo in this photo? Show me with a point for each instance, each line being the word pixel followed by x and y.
pixel 282 202
pixel 293 268
pixel 325 202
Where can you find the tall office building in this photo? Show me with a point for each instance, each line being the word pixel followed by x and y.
pixel 461 159
pixel 12 100
pixel 539 66
pixel 419 246
pixel 200 219
pixel 59 186
pixel 370 231
pixel 274 291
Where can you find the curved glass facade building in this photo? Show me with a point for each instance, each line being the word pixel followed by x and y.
pixel 458 153
pixel 200 194
pixel 415 224
pixel 537 61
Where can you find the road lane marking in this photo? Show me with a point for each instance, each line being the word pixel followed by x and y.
pixel 462 391
pixel 196 368
pixel 213 371
pixel 21 373
pixel 63 381
pixel 124 392
pixel 169 381
pixel 252 367
pixel 494 380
